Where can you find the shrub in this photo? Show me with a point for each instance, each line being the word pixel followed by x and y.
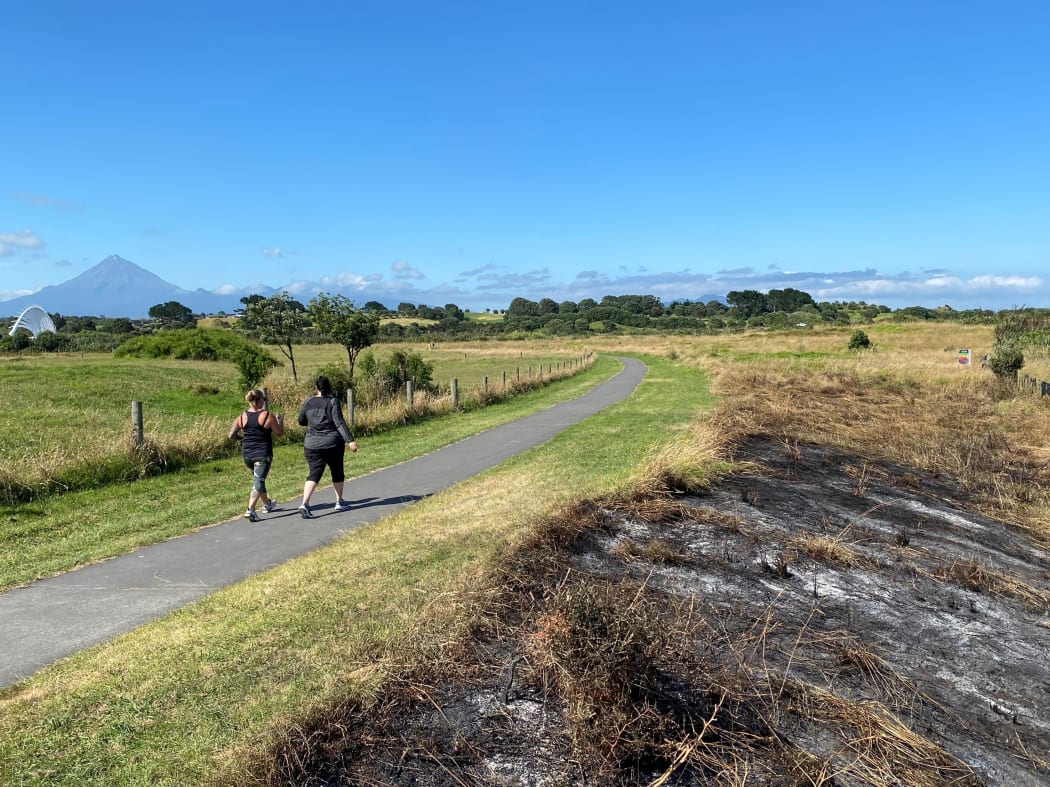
pixel 859 341
pixel 1006 360
pixel 338 375
pixel 253 364
pixel 194 344
pixel 49 342
pixel 378 382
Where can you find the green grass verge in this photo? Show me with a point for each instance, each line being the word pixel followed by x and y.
pixel 183 700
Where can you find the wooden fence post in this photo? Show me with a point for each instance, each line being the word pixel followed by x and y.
pixel 410 391
pixel 136 423
pixel 350 407
pixel 455 393
pixel 504 379
pixel 486 386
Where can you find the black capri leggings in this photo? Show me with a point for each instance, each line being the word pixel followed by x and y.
pixel 318 459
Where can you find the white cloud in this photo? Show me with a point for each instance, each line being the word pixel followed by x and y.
pixel 985 291
pixel 274 251
pixel 405 272
pixel 40 201
pixel 494 285
pixel 1011 282
pixel 10 242
pixel 6 295
pixel 493 278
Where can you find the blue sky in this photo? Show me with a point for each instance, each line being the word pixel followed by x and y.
pixel 471 153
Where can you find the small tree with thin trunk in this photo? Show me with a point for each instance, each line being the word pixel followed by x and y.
pixel 335 318
pixel 278 320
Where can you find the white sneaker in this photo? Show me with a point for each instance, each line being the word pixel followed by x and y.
pixel 251 516
pixel 304 512
pixel 270 507
pixel 342 505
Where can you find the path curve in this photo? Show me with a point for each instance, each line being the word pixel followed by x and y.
pixel 51 619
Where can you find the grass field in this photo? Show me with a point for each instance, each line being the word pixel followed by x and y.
pixel 67 423
pixel 197 696
pixel 186 699
pixel 54 534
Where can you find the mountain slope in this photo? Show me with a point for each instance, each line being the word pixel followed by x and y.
pixel 116 287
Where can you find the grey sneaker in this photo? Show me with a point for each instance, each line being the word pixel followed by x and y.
pixel 270 507
pixel 251 516
pixel 342 505
pixel 304 512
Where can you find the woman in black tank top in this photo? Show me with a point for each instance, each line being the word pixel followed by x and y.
pixel 255 428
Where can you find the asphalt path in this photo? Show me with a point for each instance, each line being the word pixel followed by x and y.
pixel 54 618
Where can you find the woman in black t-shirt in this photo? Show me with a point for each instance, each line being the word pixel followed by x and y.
pixel 327 439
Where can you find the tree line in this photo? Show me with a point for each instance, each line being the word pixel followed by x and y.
pixel 282 321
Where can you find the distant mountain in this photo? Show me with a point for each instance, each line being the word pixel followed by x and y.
pixel 117 288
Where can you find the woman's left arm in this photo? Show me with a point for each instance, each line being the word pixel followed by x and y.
pixel 340 422
pixel 275 424
pixel 235 430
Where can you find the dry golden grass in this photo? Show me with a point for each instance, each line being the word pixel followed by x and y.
pixel 908 402
pixel 877 748
pixel 828 550
pixel 972 575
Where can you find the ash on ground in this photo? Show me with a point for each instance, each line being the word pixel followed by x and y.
pixel 817 619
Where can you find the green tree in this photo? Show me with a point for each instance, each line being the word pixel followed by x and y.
pixel 278 320
pixel 789 300
pixel 547 306
pixel 565 307
pixel 523 307
pixel 254 364
pixel 50 342
pixel 116 325
pixel 20 340
pixel 748 303
pixel 172 315
pixel 335 317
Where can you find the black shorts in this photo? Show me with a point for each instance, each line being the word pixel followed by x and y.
pixel 318 459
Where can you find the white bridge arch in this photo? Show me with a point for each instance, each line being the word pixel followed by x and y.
pixel 35 320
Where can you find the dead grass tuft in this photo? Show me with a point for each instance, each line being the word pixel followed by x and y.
pixel 972 575
pixel 828 550
pixel 653 551
pixel 726 520
pixel 876 747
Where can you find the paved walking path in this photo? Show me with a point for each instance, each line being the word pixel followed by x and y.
pixel 55 618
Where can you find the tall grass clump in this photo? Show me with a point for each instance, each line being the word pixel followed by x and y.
pixel 25 477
